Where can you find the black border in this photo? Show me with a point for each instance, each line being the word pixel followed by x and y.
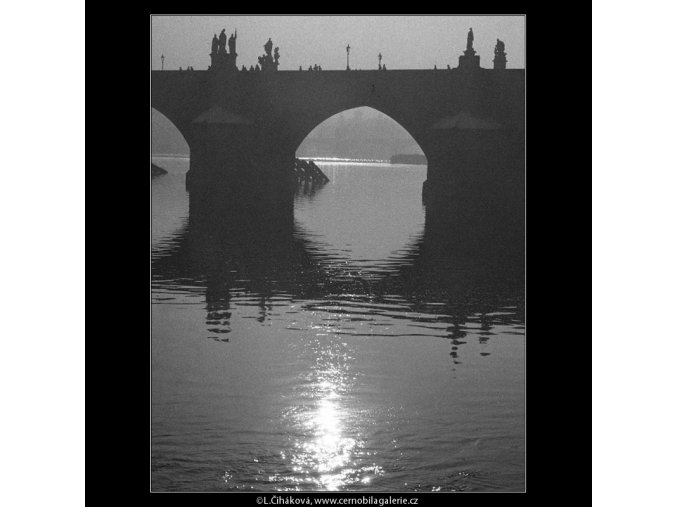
pixel 118 364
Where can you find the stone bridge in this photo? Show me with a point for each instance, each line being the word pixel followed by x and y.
pixel 244 127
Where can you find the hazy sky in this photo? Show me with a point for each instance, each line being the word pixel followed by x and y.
pixel 406 42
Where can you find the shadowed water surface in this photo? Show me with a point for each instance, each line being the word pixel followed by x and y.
pixel 350 350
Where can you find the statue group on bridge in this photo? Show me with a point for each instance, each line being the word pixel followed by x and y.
pixel 270 60
pixel 222 58
pixel 219 44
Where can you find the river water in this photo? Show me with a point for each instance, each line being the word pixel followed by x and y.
pixel 349 353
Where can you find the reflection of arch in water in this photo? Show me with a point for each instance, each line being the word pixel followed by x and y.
pixel 427 278
pixel 212 255
pixel 218 259
pixel 468 290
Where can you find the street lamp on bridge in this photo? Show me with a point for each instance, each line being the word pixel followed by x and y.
pixel 348 57
pixel 380 56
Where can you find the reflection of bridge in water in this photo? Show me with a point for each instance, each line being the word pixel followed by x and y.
pixel 430 278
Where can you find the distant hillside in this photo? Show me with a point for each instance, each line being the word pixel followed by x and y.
pixel 362 133
pixel 406 158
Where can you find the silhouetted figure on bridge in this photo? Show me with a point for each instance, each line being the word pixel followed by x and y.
pixel 215 45
pixel 268 46
pixel 276 56
pixel 471 38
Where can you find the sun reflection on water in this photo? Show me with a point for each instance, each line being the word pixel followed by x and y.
pixel 328 451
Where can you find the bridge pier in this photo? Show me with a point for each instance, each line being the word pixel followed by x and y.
pixel 237 171
pixel 475 189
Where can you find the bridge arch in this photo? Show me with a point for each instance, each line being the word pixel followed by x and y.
pixel 166 137
pixel 376 132
pixel 361 195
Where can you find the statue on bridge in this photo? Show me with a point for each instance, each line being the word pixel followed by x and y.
pixel 231 44
pixel 499 55
pixel 222 41
pixel 469 59
pixel 269 61
pixel 215 45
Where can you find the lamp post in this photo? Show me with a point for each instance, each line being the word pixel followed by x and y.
pixel 348 57
pixel 379 61
pixel 162 58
